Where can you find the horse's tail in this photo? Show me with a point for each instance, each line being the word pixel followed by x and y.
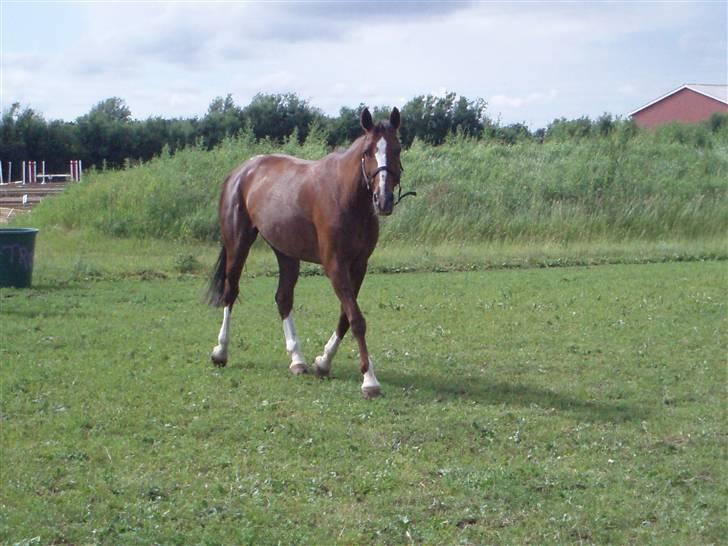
pixel 217 281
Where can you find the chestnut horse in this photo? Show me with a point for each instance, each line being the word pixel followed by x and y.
pixel 325 212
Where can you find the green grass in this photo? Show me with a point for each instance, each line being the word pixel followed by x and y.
pixel 65 256
pixel 544 406
pixel 657 186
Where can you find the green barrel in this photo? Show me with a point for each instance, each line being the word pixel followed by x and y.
pixel 17 246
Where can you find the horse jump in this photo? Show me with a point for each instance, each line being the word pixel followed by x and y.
pixel 324 212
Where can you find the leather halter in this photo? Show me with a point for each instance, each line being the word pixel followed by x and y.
pixel 369 179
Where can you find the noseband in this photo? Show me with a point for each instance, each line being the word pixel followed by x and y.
pixel 370 179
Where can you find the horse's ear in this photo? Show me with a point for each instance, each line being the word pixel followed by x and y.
pixel 367 123
pixel 394 118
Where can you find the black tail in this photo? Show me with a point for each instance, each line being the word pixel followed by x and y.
pixel 217 281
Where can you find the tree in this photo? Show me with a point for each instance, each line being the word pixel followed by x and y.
pixel 276 116
pixel 114 109
pixel 432 118
pixel 62 145
pixel 106 133
pixel 223 119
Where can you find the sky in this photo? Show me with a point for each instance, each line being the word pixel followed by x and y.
pixel 532 62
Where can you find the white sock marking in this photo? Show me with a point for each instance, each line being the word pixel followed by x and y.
pixel 220 352
pixel 292 344
pixel 323 362
pixel 370 380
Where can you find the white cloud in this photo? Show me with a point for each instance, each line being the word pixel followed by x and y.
pixel 171 59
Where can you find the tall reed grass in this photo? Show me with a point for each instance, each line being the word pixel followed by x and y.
pixel 662 185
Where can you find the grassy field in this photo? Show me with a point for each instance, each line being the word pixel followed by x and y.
pixel 64 256
pixel 544 405
pixel 656 186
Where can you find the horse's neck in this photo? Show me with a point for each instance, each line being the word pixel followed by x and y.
pixel 353 181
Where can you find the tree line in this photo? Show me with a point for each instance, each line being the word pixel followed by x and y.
pixel 108 136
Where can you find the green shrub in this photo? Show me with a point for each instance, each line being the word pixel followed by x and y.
pixel 625 184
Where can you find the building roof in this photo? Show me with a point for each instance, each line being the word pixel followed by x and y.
pixel 718 92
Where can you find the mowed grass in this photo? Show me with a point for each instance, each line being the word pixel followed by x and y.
pixel 544 406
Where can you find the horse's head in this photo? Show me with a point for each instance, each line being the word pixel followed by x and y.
pixel 380 161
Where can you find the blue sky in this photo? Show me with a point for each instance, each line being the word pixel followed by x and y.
pixel 531 61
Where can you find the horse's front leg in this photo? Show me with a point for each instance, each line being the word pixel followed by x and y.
pixel 322 364
pixel 346 292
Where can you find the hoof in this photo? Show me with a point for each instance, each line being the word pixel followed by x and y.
pixel 298 368
pixel 371 392
pixel 318 370
pixel 218 361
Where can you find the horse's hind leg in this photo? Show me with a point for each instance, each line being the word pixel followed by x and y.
pixel 238 236
pixel 287 278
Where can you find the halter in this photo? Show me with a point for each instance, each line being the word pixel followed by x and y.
pixel 369 179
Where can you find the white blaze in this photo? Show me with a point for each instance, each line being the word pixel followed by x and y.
pixel 381 156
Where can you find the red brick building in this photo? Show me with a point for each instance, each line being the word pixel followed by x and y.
pixel 690 103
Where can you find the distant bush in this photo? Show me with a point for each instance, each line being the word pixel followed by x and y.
pixel 612 182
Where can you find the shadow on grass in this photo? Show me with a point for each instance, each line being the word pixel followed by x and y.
pixel 514 394
pixel 440 390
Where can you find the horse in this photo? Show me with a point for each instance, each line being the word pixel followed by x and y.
pixel 325 212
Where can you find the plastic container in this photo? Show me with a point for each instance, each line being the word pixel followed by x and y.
pixel 17 247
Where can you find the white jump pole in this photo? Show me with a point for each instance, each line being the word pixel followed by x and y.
pixel 42 166
pixel 10 172
pixel 23 173
pixel 80 169
pixel 2 181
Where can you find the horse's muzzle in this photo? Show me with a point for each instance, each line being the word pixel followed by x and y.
pixel 384 207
